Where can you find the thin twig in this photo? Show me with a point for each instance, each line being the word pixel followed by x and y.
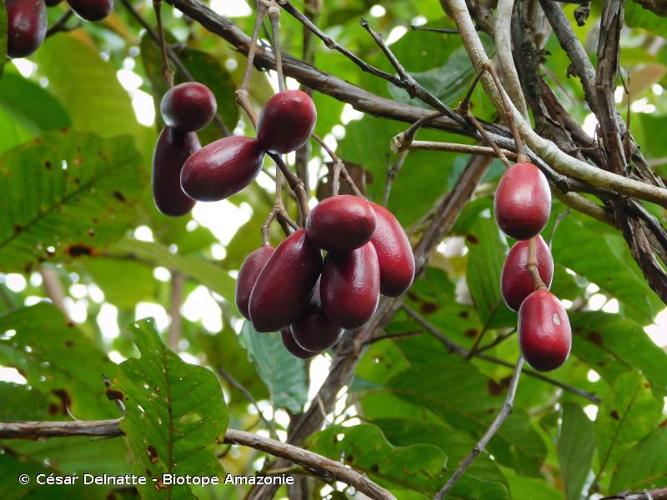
pixel 167 73
pixel 175 327
pixel 54 288
pixel 61 24
pixel 338 169
pixel 490 432
pixel 455 147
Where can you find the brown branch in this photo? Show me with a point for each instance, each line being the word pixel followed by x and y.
pixel 657 494
pixel 323 466
pixel 54 288
pixel 490 432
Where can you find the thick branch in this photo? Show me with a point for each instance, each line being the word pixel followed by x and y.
pixel 322 466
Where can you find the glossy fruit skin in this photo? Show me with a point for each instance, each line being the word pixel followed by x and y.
pixel 350 286
pixel 222 168
pixel 286 122
pixel 91 10
pixel 188 106
pixel 285 285
pixel 516 282
pixel 523 201
pixel 544 331
pixel 26 26
pixel 341 223
pixel 291 345
pixel 171 151
pixel 397 262
pixel 248 274
pixel 314 332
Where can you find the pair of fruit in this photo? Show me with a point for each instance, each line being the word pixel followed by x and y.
pixel 312 301
pixel 27 21
pixel 184 172
pixel 522 208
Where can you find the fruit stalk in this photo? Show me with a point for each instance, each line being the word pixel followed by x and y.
pixel 167 73
pixel 531 265
pixel 274 16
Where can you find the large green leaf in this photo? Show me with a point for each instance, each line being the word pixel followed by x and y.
pixel 482 479
pixel 58 359
pixel 205 272
pixel 283 374
pixel 603 257
pixel 644 466
pixel 28 403
pixel 628 414
pixel 576 445
pixel 612 345
pixel 467 400
pixel 417 467
pixel 86 85
pixel 27 110
pixel 64 195
pixel 175 414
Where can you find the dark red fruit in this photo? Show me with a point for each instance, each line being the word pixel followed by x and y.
pixel 314 332
pixel 544 331
pixel 516 281
pixel 189 106
pixel 248 274
pixel 341 223
pixel 171 151
pixel 285 285
pixel 350 286
pixel 26 26
pixel 291 345
pixel 397 262
pixel 222 168
pixel 91 10
pixel 286 122
pixel 523 201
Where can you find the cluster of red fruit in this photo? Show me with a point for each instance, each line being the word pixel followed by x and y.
pixel 311 300
pixel 27 20
pixel 184 172
pixel 522 208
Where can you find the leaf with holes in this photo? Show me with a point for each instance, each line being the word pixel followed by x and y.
pixel 283 374
pixel 175 414
pixel 65 195
pixel 57 359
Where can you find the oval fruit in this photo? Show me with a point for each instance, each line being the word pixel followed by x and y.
pixel 350 286
pixel 544 331
pixel 188 106
pixel 523 201
pixel 516 281
pixel 286 122
pixel 91 10
pixel 26 26
pixel 222 168
pixel 313 331
pixel 341 223
pixel 171 151
pixel 397 262
pixel 285 285
pixel 291 345
pixel 248 274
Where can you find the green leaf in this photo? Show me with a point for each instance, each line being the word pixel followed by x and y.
pixel 175 414
pixel 485 262
pixel 629 413
pixel 644 466
pixel 417 467
pixel 613 345
pixel 27 110
pixel 639 17
pixel 603 258
pixel 482 479
pixel 283 374
pixel 58 359
pixel 576 445
pixel 27 403
pixel 66 194
pixel 468 401
pixel 86 85
pixel 153 254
